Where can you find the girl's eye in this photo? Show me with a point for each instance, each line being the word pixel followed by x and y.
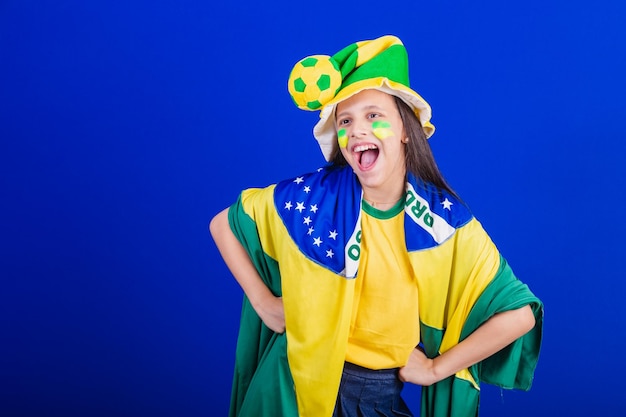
pixel 344 122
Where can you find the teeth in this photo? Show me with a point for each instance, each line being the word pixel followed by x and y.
pixel 362 148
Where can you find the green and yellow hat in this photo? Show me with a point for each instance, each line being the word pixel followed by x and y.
pixel 320 82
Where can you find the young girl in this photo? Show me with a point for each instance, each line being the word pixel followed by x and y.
pixel 370 272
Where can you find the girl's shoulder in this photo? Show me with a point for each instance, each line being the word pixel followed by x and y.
pixel 427 200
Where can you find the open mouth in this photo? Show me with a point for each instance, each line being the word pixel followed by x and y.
pixel 366 155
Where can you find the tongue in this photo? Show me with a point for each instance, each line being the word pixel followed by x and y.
pixel 368 158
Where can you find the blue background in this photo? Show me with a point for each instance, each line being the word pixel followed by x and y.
pixel 126 125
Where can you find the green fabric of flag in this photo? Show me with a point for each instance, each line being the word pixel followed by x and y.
pixel 511 368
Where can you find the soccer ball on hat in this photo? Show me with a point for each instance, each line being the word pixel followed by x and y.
pixel 314 81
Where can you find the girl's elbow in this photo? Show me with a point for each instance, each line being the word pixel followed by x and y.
pixel 218 222
pixel 527 318
pixel 213 226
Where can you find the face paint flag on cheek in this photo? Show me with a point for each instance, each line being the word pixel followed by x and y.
pixel 342 138
pixel 382 130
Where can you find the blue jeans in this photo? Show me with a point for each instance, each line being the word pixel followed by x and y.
pixel 370 393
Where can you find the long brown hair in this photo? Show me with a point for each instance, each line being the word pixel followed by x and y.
pixel 419 158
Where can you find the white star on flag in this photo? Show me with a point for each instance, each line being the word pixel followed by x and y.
pixel 310 232
pixel 299 180
pixel 317 241
pixel 333 235
pixel 329 253
pixel 307 220
pixel 446 204
pixel 307 189
pixel 288 205
pixel 314 208
pixel 300 206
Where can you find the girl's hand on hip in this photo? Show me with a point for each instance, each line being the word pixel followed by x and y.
pixel 418 370
pixel 272 312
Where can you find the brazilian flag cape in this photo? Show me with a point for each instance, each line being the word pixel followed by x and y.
pixel 303 235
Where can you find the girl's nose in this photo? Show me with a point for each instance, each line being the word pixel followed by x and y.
pixel 360 129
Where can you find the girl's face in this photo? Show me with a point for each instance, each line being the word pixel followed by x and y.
pixel 370 135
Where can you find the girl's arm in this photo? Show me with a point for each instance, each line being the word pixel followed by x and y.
pixel 267 305
pixel 494 335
